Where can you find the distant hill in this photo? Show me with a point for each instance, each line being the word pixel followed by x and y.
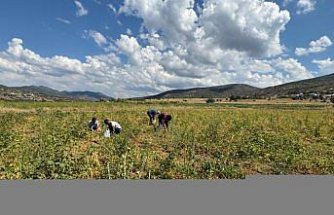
pixel 323 85
pixel 216 92
pixel 87 95
pixel 45 93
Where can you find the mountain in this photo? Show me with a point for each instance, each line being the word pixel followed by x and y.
pixel 323 85
pixel 87 95
pixel 45 93
pixel 216 92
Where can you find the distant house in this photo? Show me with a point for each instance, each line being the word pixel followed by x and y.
pixel 328 96
pixel 313 95
pixel 104 100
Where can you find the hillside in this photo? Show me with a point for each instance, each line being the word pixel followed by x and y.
pixel 217 92
pixel 323 85
pixel 41 93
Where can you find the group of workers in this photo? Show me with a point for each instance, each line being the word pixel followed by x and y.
pixel 115 128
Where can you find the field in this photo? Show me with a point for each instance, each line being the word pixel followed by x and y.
pixel 205 141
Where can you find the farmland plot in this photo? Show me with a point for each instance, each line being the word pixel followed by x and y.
pixel 51 141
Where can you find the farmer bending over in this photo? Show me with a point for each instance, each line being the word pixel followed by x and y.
pixel 152 113
pixel 93 125
pixel 164 119
pixel 114 127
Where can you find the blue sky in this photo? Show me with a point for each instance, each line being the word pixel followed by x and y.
pixel 37 22
pixel 139 47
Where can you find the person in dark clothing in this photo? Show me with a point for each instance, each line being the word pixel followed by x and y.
pixel 114 127
pixel 93 125
pixel 152 113
pixel 164 119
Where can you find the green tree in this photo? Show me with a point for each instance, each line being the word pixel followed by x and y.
pixel 210 100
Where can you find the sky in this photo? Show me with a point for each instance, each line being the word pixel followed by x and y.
pixel 129 48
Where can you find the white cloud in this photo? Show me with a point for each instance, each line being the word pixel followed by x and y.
pixel 317 46
pixel 98 38
pixel 305 6
pixel 128 31
pixel 148 70
pixel 20 66
pixel 97 2
pixel 112 8
pixel 326 66
pixel 247 26
pixel 129 46
pixel 81 11
pixel 174 18
pixel 63 20
pixel 25 61
pixel 179 48
pixel 293 69
pixel 119 23
pixel 243 25
pixel 287 2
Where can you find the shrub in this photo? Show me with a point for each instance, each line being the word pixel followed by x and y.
pixel 210 100
pixel 332 99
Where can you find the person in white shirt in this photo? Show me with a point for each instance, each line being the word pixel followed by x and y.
pixel 114 127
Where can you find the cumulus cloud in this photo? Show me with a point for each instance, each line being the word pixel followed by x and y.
pixel 81 11
pixel 245 25
pixel 131 48
pixel 325 66
pixel 305 6
pixel 294 69
pixel 25 60
pixel 148 70
pixel 178 48
pixel 242 25
pixel 174 18
pixel 316 46
pixel 98 38
pixel 19 66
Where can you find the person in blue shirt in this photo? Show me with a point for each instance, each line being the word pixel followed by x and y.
pixel 152 113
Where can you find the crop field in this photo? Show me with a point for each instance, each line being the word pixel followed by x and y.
pixel 50 140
